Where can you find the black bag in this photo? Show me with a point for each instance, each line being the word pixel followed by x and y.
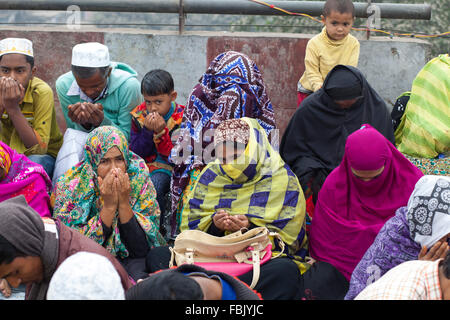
pixel 323 281
pixel 399 109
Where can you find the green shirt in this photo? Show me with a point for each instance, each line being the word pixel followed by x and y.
pixel 38 107
pixel 123 95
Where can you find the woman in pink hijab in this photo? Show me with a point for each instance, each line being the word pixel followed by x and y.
pixel 19 175
pixel 373 180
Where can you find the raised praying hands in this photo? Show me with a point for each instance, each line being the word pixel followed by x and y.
pixel 226 222
pixel 11 94
pixel 154 122
pixel 86 114
pixel 5 289
pixel 115 191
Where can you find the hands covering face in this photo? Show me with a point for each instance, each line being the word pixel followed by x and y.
pixel 11 94
pixel 154 122
pixel 115 189
pixel 226 222
pixel 86 113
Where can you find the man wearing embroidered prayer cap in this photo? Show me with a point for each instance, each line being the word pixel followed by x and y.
pixel 27 105
pixel 98 91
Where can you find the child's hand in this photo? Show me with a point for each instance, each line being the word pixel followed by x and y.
pixel 148 122
pixel 159 123
pixel 154 122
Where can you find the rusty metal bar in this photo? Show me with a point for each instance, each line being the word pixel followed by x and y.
pixel 235 7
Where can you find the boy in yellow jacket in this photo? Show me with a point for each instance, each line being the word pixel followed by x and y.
pixel 334 45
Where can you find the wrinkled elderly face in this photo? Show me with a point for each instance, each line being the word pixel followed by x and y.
pixel 112 159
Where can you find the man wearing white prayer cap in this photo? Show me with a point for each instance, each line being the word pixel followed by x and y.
pixel 16 45
pixel 85 276
pixel 27 107
pixel 98 91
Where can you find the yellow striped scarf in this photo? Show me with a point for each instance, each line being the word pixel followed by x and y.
pixel 267 192
pixel 424 130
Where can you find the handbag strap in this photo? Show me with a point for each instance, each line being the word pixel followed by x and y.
pixel 172 257
pixel 277 236
pixel 256 268
pixel 189 255
pixel 255 250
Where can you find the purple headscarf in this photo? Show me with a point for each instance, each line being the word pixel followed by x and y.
pixel 350 212
pixel 399 239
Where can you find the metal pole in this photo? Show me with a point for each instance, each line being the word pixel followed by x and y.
pixel 314 8
pixel 369 2
pixel 181 18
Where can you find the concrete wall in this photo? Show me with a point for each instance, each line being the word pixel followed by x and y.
pixel 390 65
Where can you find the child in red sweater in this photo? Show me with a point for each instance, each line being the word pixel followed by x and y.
pixel 154 127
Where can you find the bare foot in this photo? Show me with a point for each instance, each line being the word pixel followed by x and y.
pixel 5 289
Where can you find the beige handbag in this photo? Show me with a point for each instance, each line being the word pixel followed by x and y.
pixel 234 254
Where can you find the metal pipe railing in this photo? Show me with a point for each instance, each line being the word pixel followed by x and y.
pixel 234 7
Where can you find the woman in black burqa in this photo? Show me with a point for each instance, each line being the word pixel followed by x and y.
pixel 314 141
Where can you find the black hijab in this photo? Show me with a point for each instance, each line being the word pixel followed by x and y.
pixel 315 137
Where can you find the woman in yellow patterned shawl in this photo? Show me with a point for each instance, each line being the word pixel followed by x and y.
pixel 109 197
pixel 249 186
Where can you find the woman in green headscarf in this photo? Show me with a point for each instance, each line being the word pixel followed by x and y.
pixel 110 198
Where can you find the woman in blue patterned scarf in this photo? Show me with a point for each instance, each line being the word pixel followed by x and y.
pixel 232 87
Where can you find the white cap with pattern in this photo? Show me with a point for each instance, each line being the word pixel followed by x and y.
pixel 90 54
pixel 16 45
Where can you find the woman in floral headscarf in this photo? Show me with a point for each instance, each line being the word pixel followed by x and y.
pixel 110 198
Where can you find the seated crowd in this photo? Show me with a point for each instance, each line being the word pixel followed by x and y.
pixel 360 202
